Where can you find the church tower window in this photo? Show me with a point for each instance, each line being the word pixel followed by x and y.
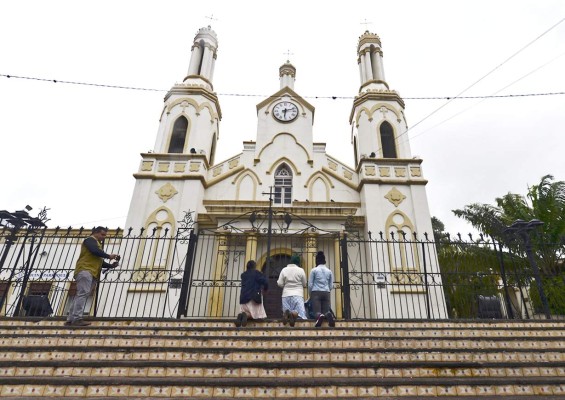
pixel 283 185
pixel 387 140
pixel 178 137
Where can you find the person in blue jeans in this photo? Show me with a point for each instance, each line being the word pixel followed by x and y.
pixel 319 286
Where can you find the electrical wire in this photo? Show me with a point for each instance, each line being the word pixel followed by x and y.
pixel 450 98
pixel 485 98
pixel 483 77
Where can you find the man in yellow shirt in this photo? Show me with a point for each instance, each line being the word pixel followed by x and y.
pixel 87 271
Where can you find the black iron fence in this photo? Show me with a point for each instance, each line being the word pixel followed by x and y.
pixel 186 274
pixel 36 278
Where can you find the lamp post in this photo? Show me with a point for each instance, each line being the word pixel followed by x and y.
pixel 522 229
pixel 14 222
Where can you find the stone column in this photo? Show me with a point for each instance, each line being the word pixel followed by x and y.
pixel 309 261
pixel 216 297
pixel 368 70
pixel 194 60
pixel 206 62
pixel 337 293
pixel 250 247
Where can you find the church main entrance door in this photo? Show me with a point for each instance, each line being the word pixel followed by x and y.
pixel 272 299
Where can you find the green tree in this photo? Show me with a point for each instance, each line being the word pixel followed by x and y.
pixel 545 202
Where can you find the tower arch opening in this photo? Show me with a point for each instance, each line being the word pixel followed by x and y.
pixel 178 136
pixel 388 144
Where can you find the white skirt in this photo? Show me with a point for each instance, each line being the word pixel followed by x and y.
pixel 257 311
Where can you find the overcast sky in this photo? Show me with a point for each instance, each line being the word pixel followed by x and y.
pixel 74 148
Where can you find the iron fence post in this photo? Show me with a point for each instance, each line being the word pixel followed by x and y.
pixel 523 229
pixel 537 274
pixel 14 267
pixel 428 306
pixel 27 272
pixel 509 309
pixel 345 279
pixel 185 288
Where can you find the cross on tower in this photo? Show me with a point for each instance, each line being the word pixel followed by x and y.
pixel 288 54
pixel 366 23
pixel 211 18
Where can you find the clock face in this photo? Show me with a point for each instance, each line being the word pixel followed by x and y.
pixel 285 111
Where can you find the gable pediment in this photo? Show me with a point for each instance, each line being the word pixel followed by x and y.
pixel 286 91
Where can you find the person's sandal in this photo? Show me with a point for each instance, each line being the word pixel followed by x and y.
pixel 238 320
pixel 331 319
pixel 293 316
pixel 286 317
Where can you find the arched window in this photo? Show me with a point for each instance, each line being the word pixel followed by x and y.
pixel 283 185
pixel 387 141
pixel 178 137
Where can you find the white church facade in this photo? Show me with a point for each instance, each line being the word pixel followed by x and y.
pixel 283 194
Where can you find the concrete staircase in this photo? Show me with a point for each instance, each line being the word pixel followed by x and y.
pixel 194 359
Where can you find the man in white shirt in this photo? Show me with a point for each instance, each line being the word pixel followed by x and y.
pixel 293 281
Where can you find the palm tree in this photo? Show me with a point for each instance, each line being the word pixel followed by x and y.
pixel 545 202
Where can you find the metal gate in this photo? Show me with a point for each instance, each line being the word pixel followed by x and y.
pixel 212 280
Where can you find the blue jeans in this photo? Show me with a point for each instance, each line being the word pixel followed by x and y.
pixel 84 287
pixel 320 302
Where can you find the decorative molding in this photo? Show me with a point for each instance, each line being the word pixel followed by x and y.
pixel 370 170
pixel 285 160
pixel 163 167
pixel 400 172
pixel 416 172
pixel 233 163
pixel 308 156
pixel 166 192
pixel 179 167
pixel 384 172
pixel 147 166
pixel 340 178
pixel 395 196
pixel 194 166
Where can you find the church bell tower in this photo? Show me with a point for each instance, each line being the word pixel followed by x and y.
pixel 171 177
pixel 392 188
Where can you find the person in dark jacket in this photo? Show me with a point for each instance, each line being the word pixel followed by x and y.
pixel 253 284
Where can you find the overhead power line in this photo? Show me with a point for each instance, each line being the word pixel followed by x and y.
pixel 459 96
pixel 484 99
pixel 104 85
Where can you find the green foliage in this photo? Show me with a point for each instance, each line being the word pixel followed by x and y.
pixel 545 202
pixel 468 270
pixel 554 290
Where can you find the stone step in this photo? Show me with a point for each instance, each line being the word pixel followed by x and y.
pixel 273 323
pixel 143 368
pixel 194 359
pixel 307 353
pixel 75 387
pixel 277 342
